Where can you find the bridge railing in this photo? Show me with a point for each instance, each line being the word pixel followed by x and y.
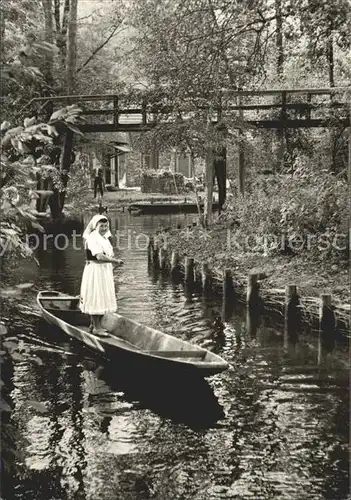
pixel 296 108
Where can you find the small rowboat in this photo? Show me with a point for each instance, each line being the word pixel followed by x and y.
pixel 166 208
pixel 128 340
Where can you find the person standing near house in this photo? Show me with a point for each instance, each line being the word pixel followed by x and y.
pixel 99 183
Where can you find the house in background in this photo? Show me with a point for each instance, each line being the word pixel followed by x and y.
pixel 174 161
pixel 119 157
pixel 107 151
pixel 182 164
pixel 116 171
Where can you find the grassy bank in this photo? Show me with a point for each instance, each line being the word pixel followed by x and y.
pixel 312 273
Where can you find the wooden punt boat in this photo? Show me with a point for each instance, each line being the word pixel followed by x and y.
pixel 166 208
pixel 128 340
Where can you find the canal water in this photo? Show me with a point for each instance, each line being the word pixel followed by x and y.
pixel 273 426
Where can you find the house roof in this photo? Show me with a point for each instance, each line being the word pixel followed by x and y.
pixel 112 137
pixel 121 147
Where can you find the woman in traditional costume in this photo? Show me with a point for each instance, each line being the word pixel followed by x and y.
pixel 97 292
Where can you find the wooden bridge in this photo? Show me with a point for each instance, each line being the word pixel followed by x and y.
pixel 293 108
pixel 280 109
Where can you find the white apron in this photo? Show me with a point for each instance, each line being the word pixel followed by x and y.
pixel 97 292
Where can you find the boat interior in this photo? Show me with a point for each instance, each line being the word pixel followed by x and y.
pixel 141 337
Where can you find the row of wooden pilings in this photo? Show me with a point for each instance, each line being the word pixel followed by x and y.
pixel 162 259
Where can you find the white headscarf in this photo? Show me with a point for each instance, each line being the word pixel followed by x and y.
pixel 92 226
pixel 95 241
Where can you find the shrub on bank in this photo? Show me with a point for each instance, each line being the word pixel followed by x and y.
pixel 292 213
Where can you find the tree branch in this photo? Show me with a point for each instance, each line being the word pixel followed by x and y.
pixel 223 47
pixel 101 46
pixel 88 16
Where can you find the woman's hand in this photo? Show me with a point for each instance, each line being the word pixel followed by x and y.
pixel 118 262
pixel 104 258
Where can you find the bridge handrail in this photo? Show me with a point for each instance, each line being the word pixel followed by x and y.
pixel 102 97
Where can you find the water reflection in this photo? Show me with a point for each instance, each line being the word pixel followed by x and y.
pixel 184 400
pixel 273 426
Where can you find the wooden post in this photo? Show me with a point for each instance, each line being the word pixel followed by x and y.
pixel 189 270
pixel 144 111
pixel 252 321
pixel 115 110
pixel 155 258
pixel 150 248
pixel 308 112
pixel 174 262
pixel 326 314
pixel 227 283
pixel 228 290
pixel 281 132
pixel 162 256
pixel 116 168
pixel 291 315
pixel 252 295
pixel 205 276
pixel 327 322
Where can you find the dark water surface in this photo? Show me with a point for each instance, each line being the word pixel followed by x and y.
pixel 275 425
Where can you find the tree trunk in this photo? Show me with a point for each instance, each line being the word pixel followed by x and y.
pixel 220 168
pixel 197 197
pixel 61 30
pixel 241 163
pixel 71 65
pixel 57 17
pixel 57 200
pixel 2 27
pixel 280 70
pixel 208 187
pixel 241 166
pixel 334 134
pixel 349 140
pixel 49 37
pixel 330 59
pixel 279 37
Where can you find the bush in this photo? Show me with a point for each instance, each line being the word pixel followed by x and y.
pixel 306 210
